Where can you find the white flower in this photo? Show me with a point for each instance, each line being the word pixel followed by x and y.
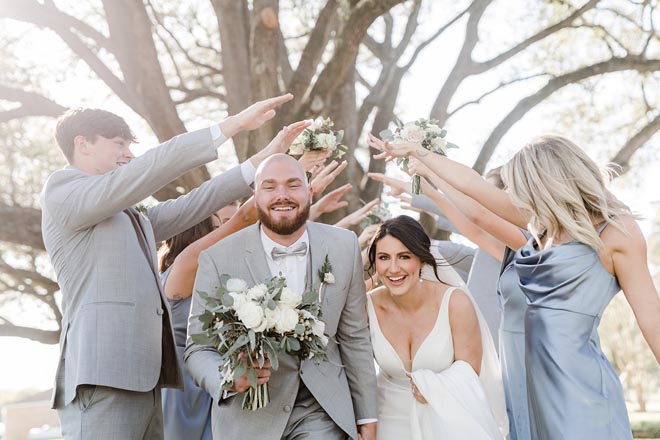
pixel 318 328
pixel 236 285
pixel 239 299
pixel 306 315
pixel 439 144
pixel 316 124
pixel 326 141
pixel 290 298
pixel 329 278
pixel 257 292
pixel 324 340
pixel 218 325
pixel 298 146
pixel 432 128
pixel 273 317
pixel 413 133
pixel 287 321
pixel 251 315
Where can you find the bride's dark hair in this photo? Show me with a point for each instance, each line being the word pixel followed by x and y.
pixel 409 232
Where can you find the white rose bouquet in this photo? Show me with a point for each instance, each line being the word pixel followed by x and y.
pixel 426 132
pixel 320 136
pixel 260 321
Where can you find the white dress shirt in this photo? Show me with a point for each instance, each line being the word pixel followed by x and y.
pixel 292 267
pixel 247 169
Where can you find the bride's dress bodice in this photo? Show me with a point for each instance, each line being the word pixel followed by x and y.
pixel 457 406
pixel 435 353
pixel 395 399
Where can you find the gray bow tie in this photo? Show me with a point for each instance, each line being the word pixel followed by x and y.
pixel 280 252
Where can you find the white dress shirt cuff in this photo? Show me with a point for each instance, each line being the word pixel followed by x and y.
pixel 217 135
pixel 248 171
pixel 365 421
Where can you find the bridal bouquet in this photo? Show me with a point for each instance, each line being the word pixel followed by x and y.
pixel 426 132
pixel 320 136
pixel 260 321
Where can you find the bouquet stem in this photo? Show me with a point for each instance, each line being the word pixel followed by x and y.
pixel 256 398
pixel 416 184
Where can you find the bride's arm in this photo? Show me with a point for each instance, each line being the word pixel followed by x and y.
pixel 465 330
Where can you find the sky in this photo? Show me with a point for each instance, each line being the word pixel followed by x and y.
pixel 27 364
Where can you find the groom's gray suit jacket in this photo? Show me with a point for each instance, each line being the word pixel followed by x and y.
pixel 344 385
pixel 116 329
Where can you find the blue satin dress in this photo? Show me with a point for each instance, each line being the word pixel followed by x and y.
pixel 512 347
pixel 187 413
pixel 573 391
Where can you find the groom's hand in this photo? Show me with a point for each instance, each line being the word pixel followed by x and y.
pixel 241 384
pixel 367 431
pixel 254 116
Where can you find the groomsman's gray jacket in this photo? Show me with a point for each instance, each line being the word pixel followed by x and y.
pixel 116 329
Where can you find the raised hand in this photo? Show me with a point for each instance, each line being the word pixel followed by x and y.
pixel 367 234
pixel 281 142
pixel 358 215
pixel 391 151
pixel 310 159
pixel 397 186
pixel 325 176
pixel 254 116
pixel 415 166
pixel 330 202
pixel 248 212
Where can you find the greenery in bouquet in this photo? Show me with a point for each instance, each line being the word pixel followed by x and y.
pixel 427 133
pixel 260 322
pixel 320 136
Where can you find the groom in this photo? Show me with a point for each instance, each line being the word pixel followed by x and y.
pixel 330 400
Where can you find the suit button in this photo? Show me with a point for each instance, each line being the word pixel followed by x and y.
pixel 159 311
pixel 286 408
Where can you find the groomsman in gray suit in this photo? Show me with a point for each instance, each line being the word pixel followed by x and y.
pixel 333 399
pixel 117 345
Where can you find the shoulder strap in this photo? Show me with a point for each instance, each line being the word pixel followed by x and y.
pixel 603 226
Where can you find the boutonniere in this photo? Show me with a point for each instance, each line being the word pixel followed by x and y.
pixel 141 208
pixel 325 275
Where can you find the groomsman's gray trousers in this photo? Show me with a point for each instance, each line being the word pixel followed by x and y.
pixel 309 420
pixel 103 413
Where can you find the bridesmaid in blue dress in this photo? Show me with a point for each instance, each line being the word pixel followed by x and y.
pixel 500 239
pixel 586 246
pixel 187 413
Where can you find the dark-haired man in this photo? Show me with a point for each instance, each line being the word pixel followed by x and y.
pixel 117 344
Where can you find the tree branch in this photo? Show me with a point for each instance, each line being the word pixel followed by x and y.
pixel 493 90
pixel 499 59
pixel 16 331
pixel 21 226
pixel 631 62
pixel 32 104
pixel 622 157
pixel 311 56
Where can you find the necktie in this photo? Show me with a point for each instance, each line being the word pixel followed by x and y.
pixel 280 252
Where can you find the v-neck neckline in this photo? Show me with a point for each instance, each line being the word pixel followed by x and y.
pixel 389 344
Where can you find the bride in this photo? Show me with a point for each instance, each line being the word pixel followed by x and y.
pixel 439 375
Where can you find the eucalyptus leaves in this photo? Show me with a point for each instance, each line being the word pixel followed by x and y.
pixel 260 321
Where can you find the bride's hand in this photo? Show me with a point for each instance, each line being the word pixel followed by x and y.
pixel 415 391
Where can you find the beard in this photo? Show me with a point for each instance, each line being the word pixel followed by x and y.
pixel 284 226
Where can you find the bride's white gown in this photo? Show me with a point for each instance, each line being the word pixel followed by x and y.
pixel 457 404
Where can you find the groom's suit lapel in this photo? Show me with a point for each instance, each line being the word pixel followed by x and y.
pixel 318 246
pixel 255 257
